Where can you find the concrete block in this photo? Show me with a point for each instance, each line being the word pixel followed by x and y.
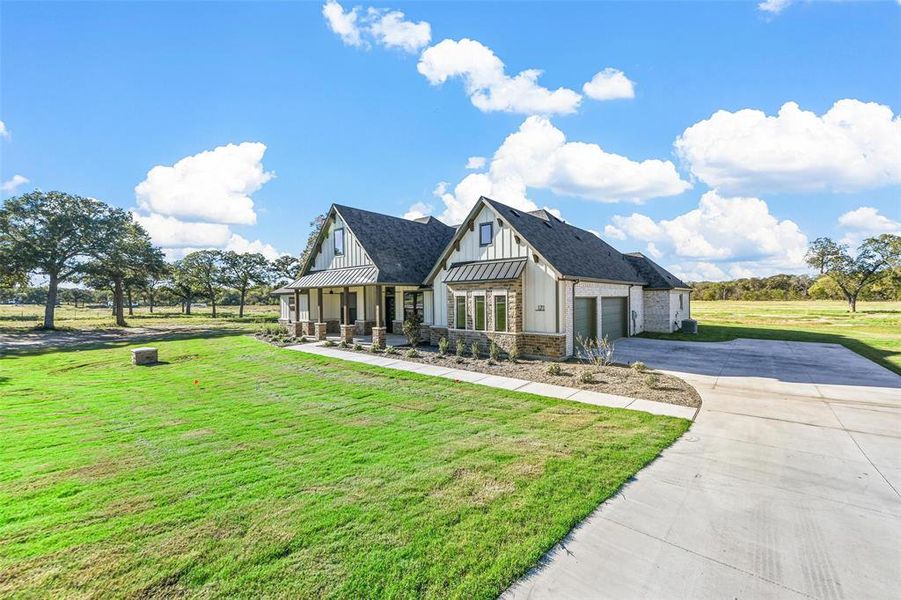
pixel 144 356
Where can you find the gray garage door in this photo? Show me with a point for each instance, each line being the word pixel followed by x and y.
pixel 585 319
pixel 613 318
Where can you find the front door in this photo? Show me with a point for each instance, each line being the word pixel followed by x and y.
pixel 389 309
pixel 585 319
pixel 413 305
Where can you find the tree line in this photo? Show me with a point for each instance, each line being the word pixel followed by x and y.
pixel 72 239
pixel 873 273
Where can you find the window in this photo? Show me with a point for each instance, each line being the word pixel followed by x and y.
pixel 486 233
pixel 339 242
pixel 681 305
pixel 413 305
pixel 461 312
pixel 500 313
pixel 480 313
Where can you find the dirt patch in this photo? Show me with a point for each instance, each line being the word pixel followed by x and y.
pixel 620 380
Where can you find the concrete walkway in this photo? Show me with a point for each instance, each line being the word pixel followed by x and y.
pixel 786 486
pixel 506 383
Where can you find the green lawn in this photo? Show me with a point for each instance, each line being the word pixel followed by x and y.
pixel 15 318
pixel 240 469
pixel 874 331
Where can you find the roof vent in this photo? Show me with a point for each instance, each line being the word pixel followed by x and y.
pixel 515 214
pixel 548 224
pixel 578 237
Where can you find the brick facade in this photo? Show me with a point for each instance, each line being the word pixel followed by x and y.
pixel 378 336
pixel 320 329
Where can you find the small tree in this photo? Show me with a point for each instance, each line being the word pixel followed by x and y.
pixel 243 270
pixel 51 234
pixel 204 267
pixel 875 256
pixel 182 285
pixel 413 329
pixel 285 269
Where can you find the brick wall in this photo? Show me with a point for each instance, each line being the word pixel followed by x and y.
pixel 657 311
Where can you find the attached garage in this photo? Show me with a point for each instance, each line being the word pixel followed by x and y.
pixel 585 319
pixel 613 318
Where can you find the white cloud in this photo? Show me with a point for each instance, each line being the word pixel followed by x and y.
pixel 774 6
pixel 390 29
pixel 538 156
pixel 238 244
pixel 213 186
pixel 609 84
pixel 4 132
pixel 170 232
pixel 865 222
pixel 14 182
pixel 614 232
pixel 853 146
pixel 475 162
pixel 737 234
pixel 343 23
pixel 419 210
pixel 487 85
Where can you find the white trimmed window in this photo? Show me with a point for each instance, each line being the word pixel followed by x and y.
pixel 500 311
pixel 460 311
pixel 479 310
pixel 339 241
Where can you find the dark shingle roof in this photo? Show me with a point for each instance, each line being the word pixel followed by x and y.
pixel 656 276
pixel 404 251
pixel 572 251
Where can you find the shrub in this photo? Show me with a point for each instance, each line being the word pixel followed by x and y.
pixel 373 349
pixel 442 346
pixel 475 350
pixel 596 352
pixel 358 346
pixel 461 348
pixel 303 339
pixel 651 380
pixel 413 329
pixel 329 343
pixel 342 344
pixel 411 353
pixel 586 377
pixel 494 353
pixel 639 367
pixel 513 353
pixel 554 369
pixel 273 329
pixel 390 350
pixel 459 359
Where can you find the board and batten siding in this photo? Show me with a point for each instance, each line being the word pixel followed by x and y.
pixel 354 254
pixel 539 279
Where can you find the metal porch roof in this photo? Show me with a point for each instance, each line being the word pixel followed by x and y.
pixel 338 277
pixel 486 270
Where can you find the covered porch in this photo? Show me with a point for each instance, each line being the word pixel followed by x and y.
pixel 349 305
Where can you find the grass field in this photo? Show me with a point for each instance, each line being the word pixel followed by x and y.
pixel 27 316
pixel 874 331
pixel 241 469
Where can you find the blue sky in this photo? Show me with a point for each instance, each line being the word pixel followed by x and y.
pixel 256 116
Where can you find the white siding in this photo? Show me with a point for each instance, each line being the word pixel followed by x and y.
pixel 539 280
pixel 353 256
pixel 304 313
pixel 284 308
pixel 428 316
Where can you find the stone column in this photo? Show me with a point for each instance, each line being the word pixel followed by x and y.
pixel 319 330
pixel 307 328
pixel 378 336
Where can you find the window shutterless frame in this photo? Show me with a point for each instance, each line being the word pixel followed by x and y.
pixel 479 317
pixel 486 234
pixel 339 241
pixel 460 306
pixel 500 312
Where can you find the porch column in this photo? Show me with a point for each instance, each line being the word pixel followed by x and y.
pixel 296 306
pixel 378 331
pixel 347 328
pixel 295 327
pixel 320 324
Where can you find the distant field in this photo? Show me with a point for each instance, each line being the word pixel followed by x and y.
pixel 27 316
pixel 874 331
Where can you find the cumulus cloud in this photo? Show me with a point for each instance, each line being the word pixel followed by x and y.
pixel 213 186
pixel 238 244
pixel 609 84
pixel 4 132
pixel 14 182
pixel 171 232
pixel 865 222
pixel 387 28
pixel 475 162
pixel 343 23
pixel 737 235
pixel 538 156
pixel 390 29
pixel 853 146
pixel 419 210
pixel 486 83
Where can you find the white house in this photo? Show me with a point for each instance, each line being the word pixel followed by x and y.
pixel 514 277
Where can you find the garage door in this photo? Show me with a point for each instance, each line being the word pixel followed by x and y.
pixel 613 318
pixel 585 319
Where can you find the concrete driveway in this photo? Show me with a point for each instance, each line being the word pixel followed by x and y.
pixel 786 486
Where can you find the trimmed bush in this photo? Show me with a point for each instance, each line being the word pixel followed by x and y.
pixel 513 354
pixel 651 380
pixel 373 349
pixel 442 346
pixel 554 369
pixel 461 348
pixel 638 366
pixel 329 344
pixel 475 350
pixel 411 353
pixel 494 353
pixel 586 377
pixel 390 350
pixel 358 346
